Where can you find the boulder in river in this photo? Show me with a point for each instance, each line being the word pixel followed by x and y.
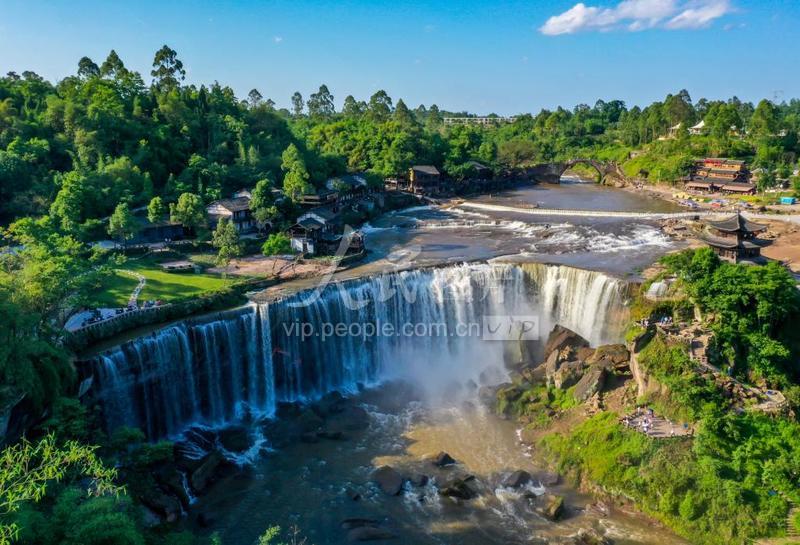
pixel 352 493
pixel 553 507
pixel 388 480
pixel 443 460
pixel 235 439
pixel 461 488
pixel 333 435
pixel 331 403
pixel 308 421
pixel 548 478
pixel 358 522
pixel 350 418
pixel 418 479
pixel 591 537
pixel 206 473
pixel 517 479
pixel 369 533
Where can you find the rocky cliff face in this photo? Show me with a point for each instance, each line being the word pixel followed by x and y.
pixel 570 366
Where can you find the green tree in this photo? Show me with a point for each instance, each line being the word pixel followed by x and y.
pixel 254 98
pixel 156 210
pixel 297 104
pixel 26 471
pixel 296 177
pixel 188 211
pixel 277 244
pixel 87 68
pixel 379 107
pixel 113 66
pixel 764 121
pixel 167 70
pixel 402 114
pixel 226 241
pixel 320 104
pixel 352 108
pixel 122 224
pixel 262 202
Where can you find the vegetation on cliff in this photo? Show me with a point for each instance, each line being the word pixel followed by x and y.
pixel 737 476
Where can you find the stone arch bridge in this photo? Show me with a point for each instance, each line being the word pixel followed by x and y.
pixel 552 172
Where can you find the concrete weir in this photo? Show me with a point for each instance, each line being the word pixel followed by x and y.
pixel 584 213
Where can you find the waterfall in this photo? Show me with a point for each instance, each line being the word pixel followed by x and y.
pixel 424 325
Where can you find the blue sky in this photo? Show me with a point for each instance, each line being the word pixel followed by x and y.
pixel 481 56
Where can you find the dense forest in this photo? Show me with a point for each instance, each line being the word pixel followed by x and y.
pixel 73 151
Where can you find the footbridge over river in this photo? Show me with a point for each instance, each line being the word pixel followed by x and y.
pixel 552 172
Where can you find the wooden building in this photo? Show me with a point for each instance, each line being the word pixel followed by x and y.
pixel 316 231
pixel 348 186
pixel 734 238
pixel 236 210
pixel 718 175
pixel 479 171
pixel 322 197
pixel 424 179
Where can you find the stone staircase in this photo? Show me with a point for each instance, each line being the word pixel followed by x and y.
pixel 791 528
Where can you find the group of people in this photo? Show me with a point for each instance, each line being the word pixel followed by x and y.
pixel 663 321
pixel 645 419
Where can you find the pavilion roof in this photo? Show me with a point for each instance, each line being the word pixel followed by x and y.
pixel 737 223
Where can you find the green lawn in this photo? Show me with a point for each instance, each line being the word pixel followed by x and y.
pixel 161 285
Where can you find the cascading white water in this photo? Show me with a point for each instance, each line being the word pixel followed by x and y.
pixel 423 325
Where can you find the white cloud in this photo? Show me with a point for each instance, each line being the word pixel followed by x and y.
pixel 699 16
pixel 277 39
pixel 637 15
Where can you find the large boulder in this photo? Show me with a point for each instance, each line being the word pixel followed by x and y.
pixel 369 533
pixel 561 338
pixel 551 365
pixel 590 384
pixel 443 460
pixel 331 403
pixel 235 439
pixel 506 396
pixel 349 418
pixel 568 374
pixel 591 536
pixel 168 507
pixel 168 477
pixel 548 478
pixel 308 421
pixel 462 488
pixel 517 479
pixel 553 507
pixel 418 479
pixel 207 472
pixel 388 480
pixel 611 356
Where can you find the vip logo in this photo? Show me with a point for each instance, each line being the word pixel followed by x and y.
pixel 509 327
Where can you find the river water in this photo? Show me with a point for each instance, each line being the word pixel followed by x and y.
pixel 622 246
pixel 309 485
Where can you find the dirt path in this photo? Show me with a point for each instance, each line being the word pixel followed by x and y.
pixel 785 246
